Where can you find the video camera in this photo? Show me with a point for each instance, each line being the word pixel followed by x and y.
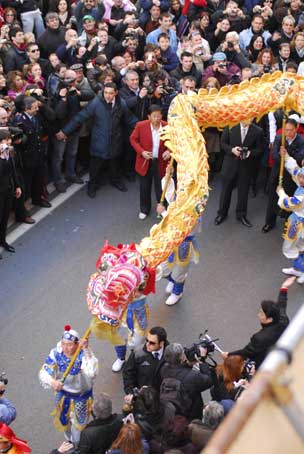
pixel 2 379
pixel 193 353
pixel 66 83
pixel 167 89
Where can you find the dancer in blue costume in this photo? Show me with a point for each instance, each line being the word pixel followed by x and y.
pixel 293 246
pixel 176 268
pixel 73 396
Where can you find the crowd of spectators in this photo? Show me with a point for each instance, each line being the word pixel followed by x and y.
pixel 64 62
pixel 75 79
pixel 163 409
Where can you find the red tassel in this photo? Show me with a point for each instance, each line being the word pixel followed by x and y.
pixel 67 327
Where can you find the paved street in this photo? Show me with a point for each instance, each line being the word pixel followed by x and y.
pixel 43 287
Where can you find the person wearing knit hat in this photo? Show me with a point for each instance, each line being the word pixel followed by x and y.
pixel 273 319
pixel 10 444
pixel 293 245
pixel 74 393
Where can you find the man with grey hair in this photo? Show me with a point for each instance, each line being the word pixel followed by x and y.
pixel 100 433
pixel 192 382
pixel 213 414
pixel 53 35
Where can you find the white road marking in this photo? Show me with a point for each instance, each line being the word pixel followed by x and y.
pixel 44 212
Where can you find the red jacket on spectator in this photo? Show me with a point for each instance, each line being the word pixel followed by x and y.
pixel 141 140
pixel 198 3
pixel 2 20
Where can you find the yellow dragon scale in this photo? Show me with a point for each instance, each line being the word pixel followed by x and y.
pixel 187 114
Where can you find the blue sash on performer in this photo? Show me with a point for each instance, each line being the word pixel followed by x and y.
pixel 137 309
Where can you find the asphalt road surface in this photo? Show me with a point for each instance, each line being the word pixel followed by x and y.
pixel 43 287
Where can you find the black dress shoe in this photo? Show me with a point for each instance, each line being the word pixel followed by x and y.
pixel 119 185
pixel 8 247
pixel 267 228
pixel 253 191
pixel 42 203
pixel 91 192
pixel 219 219
pixel 245 221
pixel 26 220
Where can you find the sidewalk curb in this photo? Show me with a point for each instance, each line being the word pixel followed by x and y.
pixel 16 230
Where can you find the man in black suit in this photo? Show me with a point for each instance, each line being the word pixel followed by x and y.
pixel 33 151
pixel 295 148
pixel 241 145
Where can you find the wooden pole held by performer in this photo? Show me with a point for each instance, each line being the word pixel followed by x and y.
pixel 168 176
pixel 74 357
pixel 283 144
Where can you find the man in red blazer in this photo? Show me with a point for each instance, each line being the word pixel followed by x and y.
pixel 151 157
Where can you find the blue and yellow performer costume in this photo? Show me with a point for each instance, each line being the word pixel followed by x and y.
pixel 73 397
pixel 176 268
pixel 293 246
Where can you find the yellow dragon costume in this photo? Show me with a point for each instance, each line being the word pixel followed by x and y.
pixel 123 271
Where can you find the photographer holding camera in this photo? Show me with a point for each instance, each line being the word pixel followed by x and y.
pixel 165 89
pixel 181 384
pixel 7 410
pixel 66 105
pixel 230 379
pixel 221 69
pixel 241 145
pixel 232 50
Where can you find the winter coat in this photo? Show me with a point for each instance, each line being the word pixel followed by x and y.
pixel 14 59
pixel 107 126
pixel 141 368
pixel 194 383
pixel 99 435
pixel 50 40
pixel 179 74
pixel 263 340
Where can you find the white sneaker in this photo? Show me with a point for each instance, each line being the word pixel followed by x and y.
pixel 173 299
pixel 117 365
pixel 291 271
pixel 142 216
pixel 300 279
pixel 169 287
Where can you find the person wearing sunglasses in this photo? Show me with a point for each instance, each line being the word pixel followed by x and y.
pixel 143 366
pixel 33 56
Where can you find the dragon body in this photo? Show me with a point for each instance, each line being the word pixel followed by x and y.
pixel 188 116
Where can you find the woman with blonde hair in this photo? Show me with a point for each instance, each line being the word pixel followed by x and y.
pixel 297 48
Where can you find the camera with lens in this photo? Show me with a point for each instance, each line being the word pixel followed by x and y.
pixel 266 68
pixel 244 152
pixel 249 369
pixel 150 89
pixel 222 65
pixel 230 45
pixel 66 83
pixel 131 34
pixel 167 89
pixel 193 353
pixel 2 379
